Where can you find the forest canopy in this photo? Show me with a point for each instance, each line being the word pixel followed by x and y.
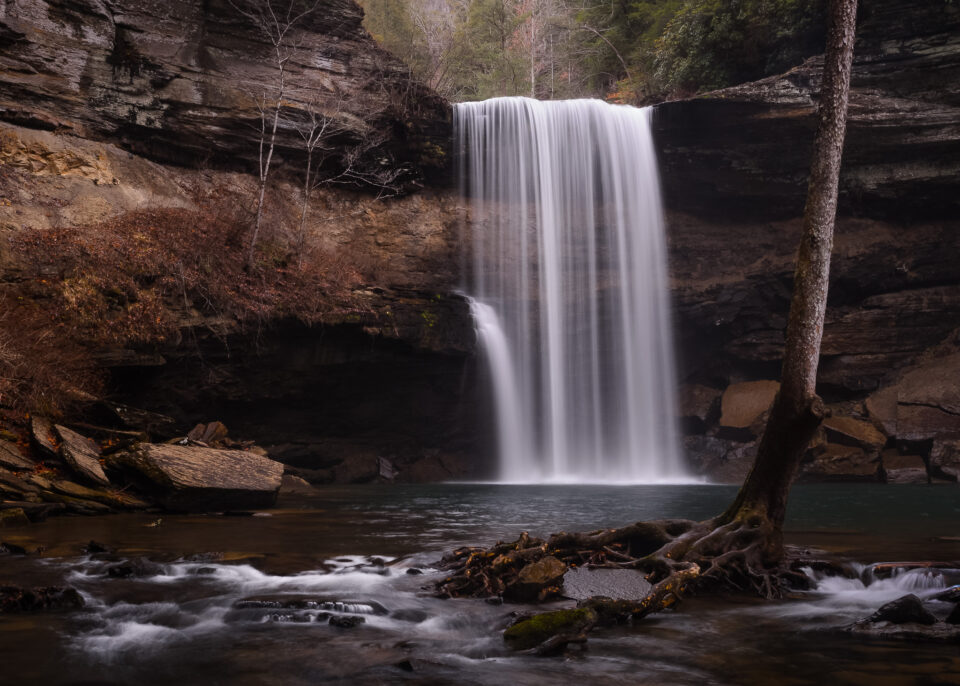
pixel 633 51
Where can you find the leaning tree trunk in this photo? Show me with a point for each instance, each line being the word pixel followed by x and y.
pixel 798 411
pixel 742 548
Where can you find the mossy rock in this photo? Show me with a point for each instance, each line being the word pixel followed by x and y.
pixel 530 632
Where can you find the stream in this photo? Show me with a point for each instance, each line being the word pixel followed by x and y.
pixel 336 589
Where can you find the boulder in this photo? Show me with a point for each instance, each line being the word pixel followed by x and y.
pixel 841 463
pixel 43 438
pixel 928 400
pixel 945 459
pixel 357 469
pixel 904 610
pixel 294 485
pixel 12 458
pixel 743 406
pixel 434 468
pixel 530 632
pixel 82 456
pixel 933 383
pixel 538 580
pixel 903 469
pixel 921 423
pixel 882 409
pixel 853 432
pixel 192 478
pixel 699 407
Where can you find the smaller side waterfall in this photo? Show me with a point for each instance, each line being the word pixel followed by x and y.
pixel 567 268
pixel 511 437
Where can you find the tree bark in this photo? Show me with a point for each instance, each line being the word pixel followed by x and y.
pixel 742 548
pixel 797 411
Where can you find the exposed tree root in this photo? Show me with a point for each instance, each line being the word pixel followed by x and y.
pixel 677 556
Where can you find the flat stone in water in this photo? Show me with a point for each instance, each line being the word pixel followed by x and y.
pixel 581 583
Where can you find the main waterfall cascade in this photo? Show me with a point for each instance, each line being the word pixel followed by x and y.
pixel 567 271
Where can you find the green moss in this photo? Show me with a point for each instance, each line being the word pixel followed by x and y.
pixel 429 318
pixel 532 631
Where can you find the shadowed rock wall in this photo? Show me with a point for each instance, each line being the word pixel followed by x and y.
pixel 735 164
pixel 179 81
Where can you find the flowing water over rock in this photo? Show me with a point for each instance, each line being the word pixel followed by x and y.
pixel 568 270
pixel 339 590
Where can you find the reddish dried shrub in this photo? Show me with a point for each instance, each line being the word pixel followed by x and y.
pixel 135 280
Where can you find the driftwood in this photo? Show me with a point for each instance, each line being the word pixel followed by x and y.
pixel 676 556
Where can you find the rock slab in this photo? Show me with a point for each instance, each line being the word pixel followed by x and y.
pixel 11 458
pixel 743 405
pixel 82 456
pixel 195 479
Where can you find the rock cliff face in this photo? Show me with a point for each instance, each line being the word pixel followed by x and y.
pixel 180 81
pixel 112 106
pixel 744 152
pixel 734 167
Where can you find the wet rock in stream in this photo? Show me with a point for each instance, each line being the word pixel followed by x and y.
pixel 347 621
pixel 907 618
pixel 903 610
pixel 94 548
pixel 560 626
pixel 538 580
pixel 413 616
pixel 14 600
pixel 135 568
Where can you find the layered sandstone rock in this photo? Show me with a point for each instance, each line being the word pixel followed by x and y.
pixel 191 478
pixel 735 164
pixel 179 81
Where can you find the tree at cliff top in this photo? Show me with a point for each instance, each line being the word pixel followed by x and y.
pixel 628 50
pixel 743 547
pixel 678 47
pixel 476 49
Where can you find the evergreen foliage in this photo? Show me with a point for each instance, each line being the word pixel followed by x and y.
pixel 632 51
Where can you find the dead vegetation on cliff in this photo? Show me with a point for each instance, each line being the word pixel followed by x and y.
pixel 138 280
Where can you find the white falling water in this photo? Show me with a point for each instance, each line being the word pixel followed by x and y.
pixel 568 275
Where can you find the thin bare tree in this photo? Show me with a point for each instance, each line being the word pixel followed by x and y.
pixel 275 21
pixel 315 129
pixel 326 163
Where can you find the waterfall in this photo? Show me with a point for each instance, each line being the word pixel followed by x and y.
pixel 566 265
